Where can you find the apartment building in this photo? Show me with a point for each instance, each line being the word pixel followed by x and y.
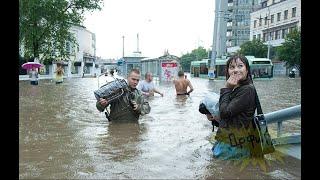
pixel 83 54
pixel 274 20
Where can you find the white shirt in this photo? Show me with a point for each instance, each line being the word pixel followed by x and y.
pixel 145 86
pixel 34 76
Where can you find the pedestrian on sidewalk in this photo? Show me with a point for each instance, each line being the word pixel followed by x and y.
pixel 33 75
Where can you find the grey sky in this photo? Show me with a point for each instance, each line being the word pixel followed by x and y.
pixel 177 25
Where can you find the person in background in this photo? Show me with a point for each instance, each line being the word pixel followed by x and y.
pixel 147 86
pixel 237 108
pixel 59 74
pixel 33 75
pixel 181 84
pixel 112 73
pixel 130 105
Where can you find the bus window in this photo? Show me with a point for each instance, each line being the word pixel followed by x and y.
pixel 203 68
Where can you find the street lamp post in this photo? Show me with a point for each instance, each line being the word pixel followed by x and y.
pixel 122 46
pixel 267 31
pixel 268 19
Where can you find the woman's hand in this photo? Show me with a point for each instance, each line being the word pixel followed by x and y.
pixel 233 80
pixel 209 117
pixel 212 118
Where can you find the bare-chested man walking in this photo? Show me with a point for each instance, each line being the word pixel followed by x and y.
pixel 181 84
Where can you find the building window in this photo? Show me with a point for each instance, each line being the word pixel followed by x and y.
pixel 271 36
pixel 260 21
pixel 272 18
pixel 264 36
pixel 229 33
pixel 254 37
pixel 294 11
pixel 259 37
pixel 278 34
pixel 278 16
pixel 255 23
pixel 264 4
pixel 285 16
pixel 265 20
pixel 284 33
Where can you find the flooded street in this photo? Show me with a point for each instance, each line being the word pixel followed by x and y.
pixel 63 136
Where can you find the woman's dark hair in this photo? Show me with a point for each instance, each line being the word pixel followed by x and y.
pixel 246 63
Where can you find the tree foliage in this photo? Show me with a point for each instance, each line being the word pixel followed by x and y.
pixel 44 25
pixel 254 48
pixel 195 55
pixel 290 51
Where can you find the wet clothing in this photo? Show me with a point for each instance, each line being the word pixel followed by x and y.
pixel 183 94
pixel 59 75
pixel 33 75
pixel 146 86
pixel 225 151
pixel 122 110
pixel 237 107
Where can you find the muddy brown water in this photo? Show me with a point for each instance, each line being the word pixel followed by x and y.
pixel 63 136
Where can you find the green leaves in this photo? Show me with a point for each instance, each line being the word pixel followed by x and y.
pixel 195 55
pixel 290 51
pixel 44 25
pixel 254 48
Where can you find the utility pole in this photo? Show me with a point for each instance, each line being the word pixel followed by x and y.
pixel 137 42
pixel 268 55
pixel 219 35
pixel 122 46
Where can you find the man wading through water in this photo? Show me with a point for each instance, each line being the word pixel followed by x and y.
pixel 181 84
pixel 130 105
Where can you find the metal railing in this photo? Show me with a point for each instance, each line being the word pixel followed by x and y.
pixel 284 115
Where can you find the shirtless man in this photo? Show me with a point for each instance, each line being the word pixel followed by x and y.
pixel 181 84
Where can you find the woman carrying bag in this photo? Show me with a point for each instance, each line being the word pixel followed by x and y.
pixel 237 105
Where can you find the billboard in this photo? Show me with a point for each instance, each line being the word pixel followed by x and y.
pixel 168 70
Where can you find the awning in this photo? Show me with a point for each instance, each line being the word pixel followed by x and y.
pixel 77 63
pixel 89 64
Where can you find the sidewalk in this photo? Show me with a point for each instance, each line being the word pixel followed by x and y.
pixel 26 77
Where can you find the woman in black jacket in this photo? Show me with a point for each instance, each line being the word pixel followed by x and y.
pixel 237 107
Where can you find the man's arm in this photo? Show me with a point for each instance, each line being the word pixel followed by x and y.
pixel 156 91
pixel 143 106
pixel 190 86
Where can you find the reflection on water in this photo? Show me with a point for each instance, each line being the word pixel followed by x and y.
pixel 120 146
pixel 62 135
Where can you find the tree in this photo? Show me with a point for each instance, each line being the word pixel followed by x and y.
pixel 44 25
pixel 195 55
pixel 254 48
pixel 290 51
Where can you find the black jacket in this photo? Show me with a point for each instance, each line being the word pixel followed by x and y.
pixel 237 107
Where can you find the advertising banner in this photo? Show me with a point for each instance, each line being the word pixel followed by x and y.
pixel 168 70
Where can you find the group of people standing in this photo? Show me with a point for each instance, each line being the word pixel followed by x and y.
pixel 232 111
pixel 34 75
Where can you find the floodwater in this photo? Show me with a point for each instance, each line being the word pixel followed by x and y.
pixel 63 136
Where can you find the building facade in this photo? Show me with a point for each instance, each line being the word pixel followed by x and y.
pixel 129 62
pixel 238 20
pixel 274 20
pixel 83 54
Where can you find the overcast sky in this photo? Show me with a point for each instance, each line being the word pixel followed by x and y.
pixel 177 25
